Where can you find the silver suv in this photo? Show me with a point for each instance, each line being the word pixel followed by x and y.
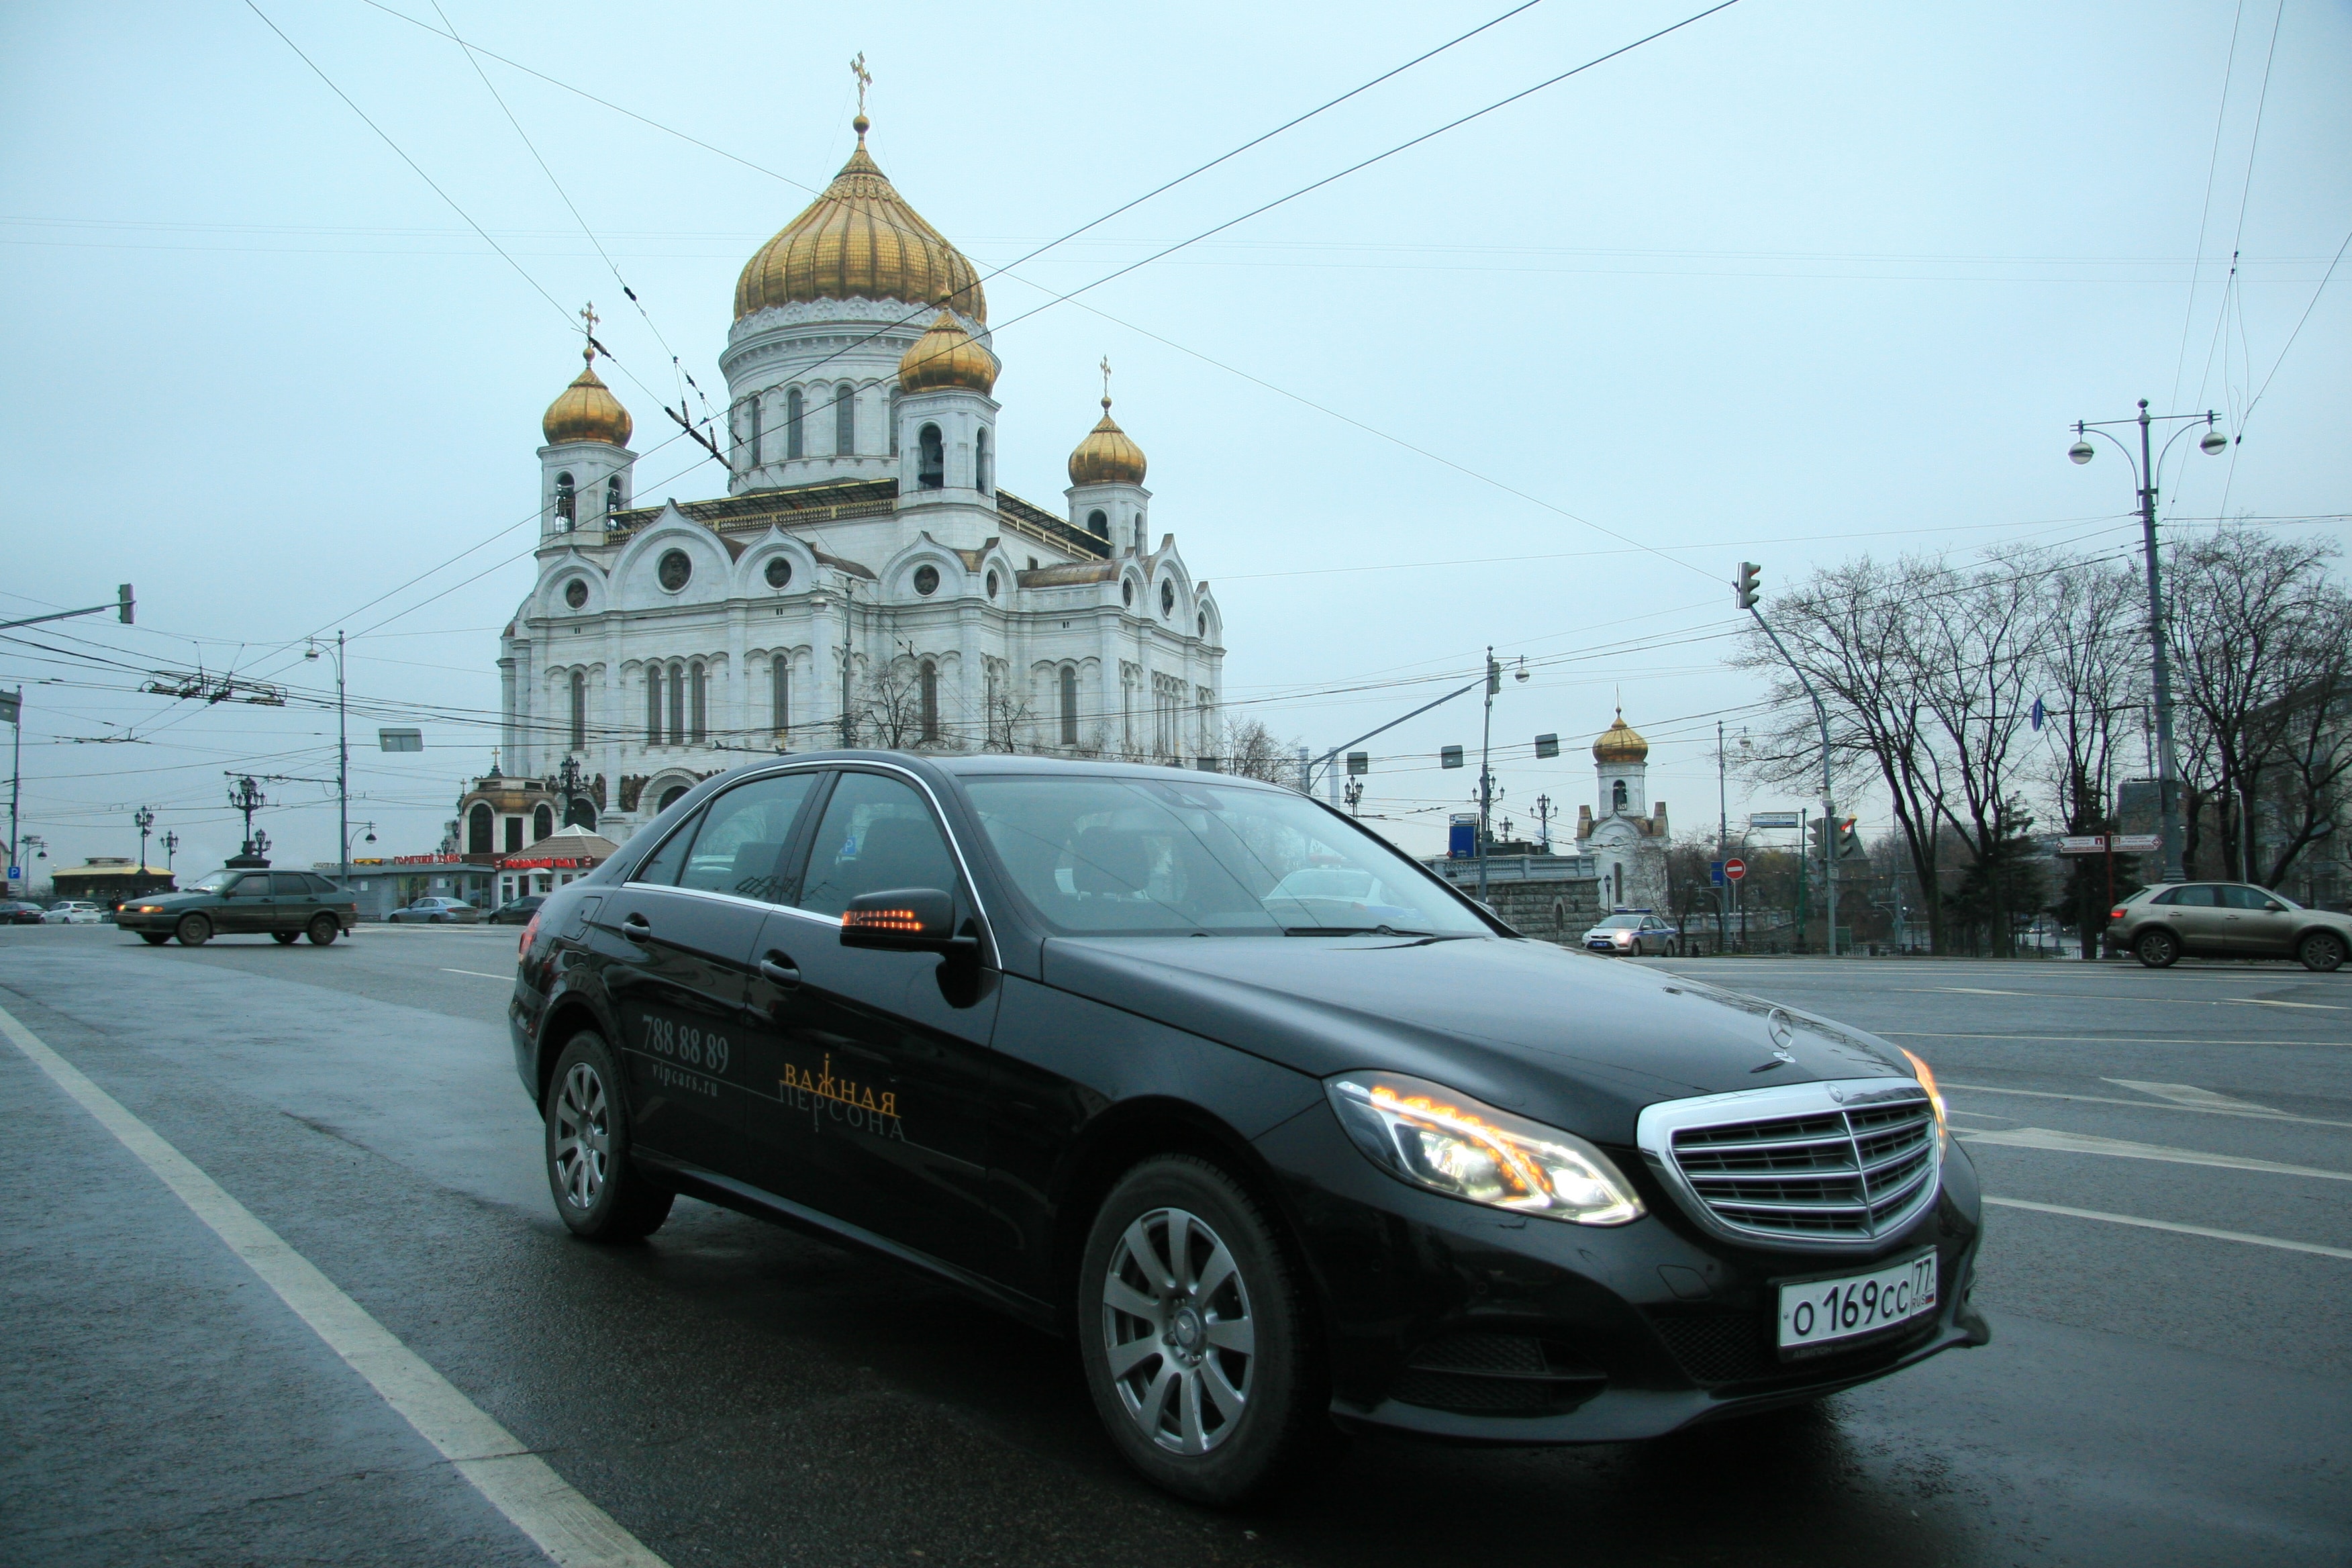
pixel 2225 920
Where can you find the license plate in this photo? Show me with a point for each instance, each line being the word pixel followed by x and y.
pixel 1815 1311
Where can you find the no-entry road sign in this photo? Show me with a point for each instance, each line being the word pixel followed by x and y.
pixel 1735 868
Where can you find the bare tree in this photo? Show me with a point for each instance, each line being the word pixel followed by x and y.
pixel 1007 725
pixel 890 706
pixel 2092 675
pixel 1251 751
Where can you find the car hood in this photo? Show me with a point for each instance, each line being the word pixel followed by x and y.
pixel 170 901
pixel 1578 1042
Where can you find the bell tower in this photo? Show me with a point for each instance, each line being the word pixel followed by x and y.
pixel 587 469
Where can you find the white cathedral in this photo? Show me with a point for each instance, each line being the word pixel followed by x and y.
pixel 864 580
pixel 1627 845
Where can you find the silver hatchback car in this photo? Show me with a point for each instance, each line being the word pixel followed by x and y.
pixel 436 912
pixel 2226 920
pixel 1631 934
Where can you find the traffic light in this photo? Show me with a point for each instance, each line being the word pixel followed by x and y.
pixel 1815 828
pixel 1849 841
pixel 1746 584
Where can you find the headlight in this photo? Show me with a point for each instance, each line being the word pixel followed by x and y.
pixel 1927 1081
pixel 1426 1133
pixel 1623 939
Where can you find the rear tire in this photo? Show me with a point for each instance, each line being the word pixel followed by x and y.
pixel 2158 949
pixel 1197 1337
pixel 284 938
pixel 598 1191
pixel 194 931
pixel 155 938
pixel 325 929
pixel 2321 952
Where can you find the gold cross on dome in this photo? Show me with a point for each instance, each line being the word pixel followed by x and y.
pixel 589 319
pixel 1106 369
pixel 864 78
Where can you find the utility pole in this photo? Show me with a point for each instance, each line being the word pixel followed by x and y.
pixel 1747 594
pixel 1485 770
pixel 1722 798
pixel 2213 444
pixel 12 708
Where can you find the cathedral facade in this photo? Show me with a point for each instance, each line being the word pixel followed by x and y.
pixel 865 581
pixel 1627 845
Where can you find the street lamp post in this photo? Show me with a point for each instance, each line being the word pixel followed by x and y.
pixel 144 820
pixel 171 842
pixel 2213 444
pixel 342 766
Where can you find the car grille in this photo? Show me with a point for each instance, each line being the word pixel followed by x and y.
pixel 1737 1347
pixel 1496 1374
pixel 1847 1174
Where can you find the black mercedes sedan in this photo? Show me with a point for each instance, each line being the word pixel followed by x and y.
pixel 1285 1153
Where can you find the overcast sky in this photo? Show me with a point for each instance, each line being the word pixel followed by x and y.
pixel 1796 282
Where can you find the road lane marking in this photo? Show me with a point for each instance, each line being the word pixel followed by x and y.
pixel 572 1530
pixel 2266 1002
pixel 2097 1039
pixel 2088 1143
pixel 478 974
pixel 2144 1104
pixel 1966 991
pixel 2168 1224
pixel 2189 1094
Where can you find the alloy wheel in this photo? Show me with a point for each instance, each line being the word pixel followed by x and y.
pixel 1177 1331
pixel 582 1136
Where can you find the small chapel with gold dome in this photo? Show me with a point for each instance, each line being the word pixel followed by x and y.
pixel 864 580
pixel 1626 843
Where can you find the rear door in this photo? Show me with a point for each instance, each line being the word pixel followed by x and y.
pixel 874 1097
pixel 297 897
pixel 674 944
pixel 2193 914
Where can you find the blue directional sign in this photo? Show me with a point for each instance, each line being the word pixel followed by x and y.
pixel 1715 872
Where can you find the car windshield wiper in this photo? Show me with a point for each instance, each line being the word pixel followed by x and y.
pixel 1352 931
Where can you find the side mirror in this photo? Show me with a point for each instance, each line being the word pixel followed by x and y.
pixel 904 919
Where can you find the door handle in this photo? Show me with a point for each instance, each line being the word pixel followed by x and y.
pixel 637 928
pixel 778 968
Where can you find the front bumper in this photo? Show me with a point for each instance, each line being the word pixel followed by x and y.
pixel 1457 1321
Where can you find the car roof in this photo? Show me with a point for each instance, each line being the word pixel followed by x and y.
pixel 998 764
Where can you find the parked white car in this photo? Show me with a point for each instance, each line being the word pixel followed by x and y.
pixel 436 912
pixel 74 912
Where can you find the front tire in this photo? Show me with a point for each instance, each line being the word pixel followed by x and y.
pixel 2158 949
pixel 155 938
pixel 2321 952
pixel 325 929
pixel 598 1191
pixel 284 938
pixel 1197 1337
pixel 194 931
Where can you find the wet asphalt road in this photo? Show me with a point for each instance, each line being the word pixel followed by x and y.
pixel 733 1392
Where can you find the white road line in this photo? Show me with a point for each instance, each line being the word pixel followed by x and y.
pixel 2087 1144
pixel 2098 1039
pixel 2266 1002
pixel 2168 1224
pixel 565 1525
pixel 2190 1095
pixel 477 973
pixel 1951 1088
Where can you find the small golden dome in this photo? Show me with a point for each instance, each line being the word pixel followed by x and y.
pixel 587 411
pixel 1620 742
pixel 946 356
pixel 1107 457
pixel 860 240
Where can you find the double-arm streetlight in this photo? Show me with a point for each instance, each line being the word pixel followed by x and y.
pixel 2213 444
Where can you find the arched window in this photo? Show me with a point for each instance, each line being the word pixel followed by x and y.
pixel 653 705
pixel 756 457
pixel 931 461
pixel 478 828
pixel 792 422
pixel 1617 794
pixel 613 494
pixel 581 813
pixel 894 421
pixel 844 419
pixel 930 700
pixel 671 796
pixel 578 711
pixel 678 705
pixel 514 834
pixel 1069 706
pixel 566 501
pixel 982 479
pixel 1099 523
pixel 781 672
pixel 698 678
pixel 542 823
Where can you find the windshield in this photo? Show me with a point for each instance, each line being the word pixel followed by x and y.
pixel 1620 923
pixel 211 884
pixel 1103 856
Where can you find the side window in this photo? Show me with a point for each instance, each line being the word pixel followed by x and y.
pixel 2245 898
pixel 252 886
pixel 290 885
pixel 877 834
pixel 661 870
pixel 323 886
pixel 740 847
pixel 2197 895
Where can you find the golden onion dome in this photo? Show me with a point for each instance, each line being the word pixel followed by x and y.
pixel 1107 457
pixel 1620 742
pixel 587 411
pixel 860 240
pixel 946 356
